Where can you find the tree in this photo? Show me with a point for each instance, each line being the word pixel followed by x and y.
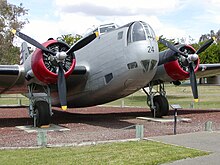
pixel 10 18
pixel 162 46
pixel 212 54
pixel 211 34
pixel 69 38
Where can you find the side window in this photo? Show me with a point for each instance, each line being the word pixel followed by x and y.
pixel 120 35
pixel 153 64
pixel 132 65
pixel 108 78
pixel 145 64
pixel 129 34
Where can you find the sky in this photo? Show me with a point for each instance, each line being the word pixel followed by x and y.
pixel 170 18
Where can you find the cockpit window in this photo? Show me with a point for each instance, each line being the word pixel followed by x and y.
pixel 136 32
pixel 149 31
pixel 107 29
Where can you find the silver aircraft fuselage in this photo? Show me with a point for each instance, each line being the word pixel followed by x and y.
pixel 118 63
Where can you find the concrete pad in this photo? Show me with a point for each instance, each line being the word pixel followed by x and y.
pixel 164 120
pixel 206 141
pixel 212 159
pixel 31 129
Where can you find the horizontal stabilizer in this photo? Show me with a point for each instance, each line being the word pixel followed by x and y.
pixel 24 52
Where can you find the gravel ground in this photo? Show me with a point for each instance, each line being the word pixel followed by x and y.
pixel 98 124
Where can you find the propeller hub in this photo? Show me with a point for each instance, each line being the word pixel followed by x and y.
pixel 61 56
pixel 192 57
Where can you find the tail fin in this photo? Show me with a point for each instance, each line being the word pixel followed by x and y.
pixel 24 52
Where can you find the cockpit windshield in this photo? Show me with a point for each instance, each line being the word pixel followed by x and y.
pixel 139 31
pixel 107 29
pixel 149 31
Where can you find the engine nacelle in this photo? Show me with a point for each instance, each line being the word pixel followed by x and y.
pixel 175 70
pixel 44 69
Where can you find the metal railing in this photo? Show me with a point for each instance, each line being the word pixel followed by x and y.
pixel 13 100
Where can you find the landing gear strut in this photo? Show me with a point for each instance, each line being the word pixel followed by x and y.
pixel 40 104
pixel 157 101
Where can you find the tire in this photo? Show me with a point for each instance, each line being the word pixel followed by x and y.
pixel 165 108
pixel 162 106
pixel 42 112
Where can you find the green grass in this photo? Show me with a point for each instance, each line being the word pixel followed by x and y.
pixel 140 152
pixel 13 99
pixel 208 97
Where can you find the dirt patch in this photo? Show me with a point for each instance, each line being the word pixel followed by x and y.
pixel 98 124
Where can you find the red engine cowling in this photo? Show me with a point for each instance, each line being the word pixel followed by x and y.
pixel 176 70
pixel 42 67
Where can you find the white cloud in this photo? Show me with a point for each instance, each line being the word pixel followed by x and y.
pixel 211 12
pixel 41 30
pixel 77 17
pixel 117 7
pixel 85 14
pixel 76 23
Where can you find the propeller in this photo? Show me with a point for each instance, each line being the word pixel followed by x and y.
pixel 172 47
pixel 82 42
pixel 192 77
pixel 205 45
pixel 188 59
pixel 58 58
pixel 32 41
pixel 61 82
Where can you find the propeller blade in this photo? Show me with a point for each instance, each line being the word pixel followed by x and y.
pixel 82 42
pixel 32 42
pixel 169 45
pixel 193 82
pixel 61 82
pixel 205 46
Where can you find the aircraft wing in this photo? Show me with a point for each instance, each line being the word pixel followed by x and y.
pixel 12 78
pixel 208 70
pixel 11 75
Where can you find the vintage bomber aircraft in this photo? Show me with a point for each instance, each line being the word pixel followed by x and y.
pixel 99 69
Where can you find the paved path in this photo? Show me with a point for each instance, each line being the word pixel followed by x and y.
pixel 207 141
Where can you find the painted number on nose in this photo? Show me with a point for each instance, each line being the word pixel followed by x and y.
pixel 150 49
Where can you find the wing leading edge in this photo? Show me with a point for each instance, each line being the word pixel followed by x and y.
pixel 11 75
pixel 12 78
pixel 208 70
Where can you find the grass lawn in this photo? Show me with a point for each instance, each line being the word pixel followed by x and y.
pixel 209 97
pixel 139 152
pixel 13 99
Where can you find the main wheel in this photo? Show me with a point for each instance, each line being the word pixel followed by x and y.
pixel 165 108
pixel 161 106
pixel 42 112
